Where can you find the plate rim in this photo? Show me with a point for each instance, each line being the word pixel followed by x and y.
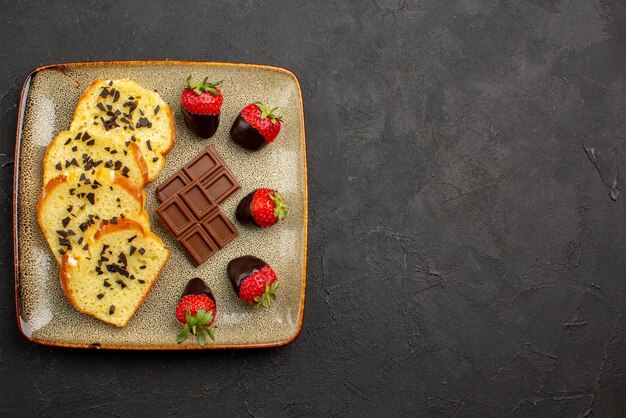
pixel 16 170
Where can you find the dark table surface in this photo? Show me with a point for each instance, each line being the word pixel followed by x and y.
pixel 467 232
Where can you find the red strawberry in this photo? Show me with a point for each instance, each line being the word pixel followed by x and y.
pixel 196 310
pixel 201 104
pixel 262 207
pixel 255 126
pixel 254 280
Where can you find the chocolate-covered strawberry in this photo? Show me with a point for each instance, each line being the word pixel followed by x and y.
pixel 253 280
pixel 262 207
pixel 201 104
pixel 255 126
pixel 196 310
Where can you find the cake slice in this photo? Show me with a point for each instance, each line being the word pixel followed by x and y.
pixel 124 107
pixel 112 278
pixel 70 204
pixel 81 151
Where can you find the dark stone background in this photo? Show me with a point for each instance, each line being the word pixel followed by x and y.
pixel 465 254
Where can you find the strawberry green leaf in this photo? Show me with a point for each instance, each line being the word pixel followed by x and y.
pixel 210 332
pixel 188 315
pixel 280 208
pixel 182 335
pixel 201 338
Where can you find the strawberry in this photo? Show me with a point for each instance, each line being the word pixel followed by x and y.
pixel 253 280
pixel 196 310
pixel 255 126
pixel 201 104
pixel 262 207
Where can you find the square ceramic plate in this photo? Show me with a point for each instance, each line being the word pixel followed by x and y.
pixel 46 108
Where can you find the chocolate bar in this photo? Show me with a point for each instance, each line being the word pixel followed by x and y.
pixel 189 205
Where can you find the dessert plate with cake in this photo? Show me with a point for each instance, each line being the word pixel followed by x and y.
pixel 160 205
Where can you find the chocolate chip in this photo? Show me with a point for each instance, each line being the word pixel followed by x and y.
pixel 65 221
pixel 113 221
pixel 74 148
pixel 58 166
pixel 142 267
pixel 68 141
pixel 132 250
pixel 70 208
pixel 143 123
pixel 101 107
pixel 61 251
pixel 141 281
pixel 91 198
pixel 149 145
pixel 116 97
pixel 104 93
pixel 85 247
pixel 142 251
pixel 91 142
pixel 100 295
pixel 106 284
pixel 111 309
pixel 132 238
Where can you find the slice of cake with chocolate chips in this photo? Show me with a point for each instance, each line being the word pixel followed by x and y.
pixel 125 108
pixel 111 279
pixel 70 204
pixel 81 151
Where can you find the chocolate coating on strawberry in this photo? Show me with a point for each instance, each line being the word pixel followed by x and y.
pixel 262 207
pixel 201 104
pixel 204 126
pixel 197 286
pixel 255 126
pixel 242 267
pixel 245 135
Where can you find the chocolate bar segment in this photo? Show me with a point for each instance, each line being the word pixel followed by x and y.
pixel 220 228
pixel 203 164
pixel 220 185
pixel 198 245
pixel 197 199
pixel 172 186
pixel 175 215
